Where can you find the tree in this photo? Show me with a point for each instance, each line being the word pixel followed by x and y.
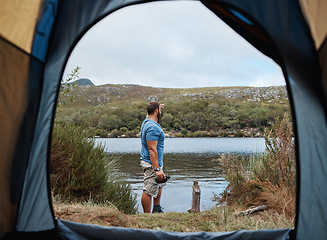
pixel 114 122
pixel 103 121
pixel 167 120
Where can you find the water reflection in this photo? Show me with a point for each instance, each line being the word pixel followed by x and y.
pixel 184 169
pixel 185 160
pixel 187 145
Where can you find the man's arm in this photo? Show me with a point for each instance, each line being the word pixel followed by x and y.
pixel 152 146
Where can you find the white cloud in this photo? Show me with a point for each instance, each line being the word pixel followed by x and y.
pixel 169 44
pixel 268 80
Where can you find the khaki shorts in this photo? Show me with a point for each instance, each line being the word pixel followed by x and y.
pixel 151 187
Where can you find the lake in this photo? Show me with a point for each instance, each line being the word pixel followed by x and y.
pixel 186 160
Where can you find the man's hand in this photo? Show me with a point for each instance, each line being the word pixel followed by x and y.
pixel 161 175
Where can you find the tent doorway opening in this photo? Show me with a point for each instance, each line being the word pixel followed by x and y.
pixel 213 83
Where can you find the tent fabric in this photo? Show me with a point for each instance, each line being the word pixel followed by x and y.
pixel 13 95
pixel 323 64
pixel 315 12
pixel 18 20
pixel 43 29
pixel 287 27
pixel 86 231
pixel 35 210
pixel 292 33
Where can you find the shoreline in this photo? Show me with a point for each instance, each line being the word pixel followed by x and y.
pixel 240 133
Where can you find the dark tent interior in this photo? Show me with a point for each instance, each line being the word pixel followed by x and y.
pixel 36 39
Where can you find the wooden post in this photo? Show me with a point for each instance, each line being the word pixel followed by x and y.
pixel 195 198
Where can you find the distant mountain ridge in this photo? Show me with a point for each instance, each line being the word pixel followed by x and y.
pixel 95 95
pixel 84 82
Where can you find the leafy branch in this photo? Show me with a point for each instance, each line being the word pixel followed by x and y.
pixel 67 85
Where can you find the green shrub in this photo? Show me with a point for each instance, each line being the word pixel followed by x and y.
pixel 213 134
pixel 100 132
pixel 115 133
pixel 199 134
pixel 123 129
pixel 239 134
pixel 80 171
pixel 131 134
pixel 224 134
pixel 184 131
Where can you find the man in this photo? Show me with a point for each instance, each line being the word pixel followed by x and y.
pixel 152 140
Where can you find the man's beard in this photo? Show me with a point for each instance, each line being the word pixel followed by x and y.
pixel 159 116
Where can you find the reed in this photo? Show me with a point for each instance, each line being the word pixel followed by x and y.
pixel 80 171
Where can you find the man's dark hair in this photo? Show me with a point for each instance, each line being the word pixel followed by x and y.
pixel 152 106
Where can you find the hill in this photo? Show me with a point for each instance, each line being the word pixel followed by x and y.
pixel 110 93
pixel 119 109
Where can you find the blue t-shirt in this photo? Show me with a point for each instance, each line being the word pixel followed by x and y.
pixel 152 131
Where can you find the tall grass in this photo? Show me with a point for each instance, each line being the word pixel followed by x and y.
pixel 80 171
pixel 264 179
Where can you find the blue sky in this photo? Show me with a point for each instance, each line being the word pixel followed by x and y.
pixel 170 44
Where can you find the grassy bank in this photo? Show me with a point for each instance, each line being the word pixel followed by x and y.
pixel 265 179
pixel 215 220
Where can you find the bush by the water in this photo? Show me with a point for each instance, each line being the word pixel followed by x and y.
pixel 80 171
pixel 264 179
